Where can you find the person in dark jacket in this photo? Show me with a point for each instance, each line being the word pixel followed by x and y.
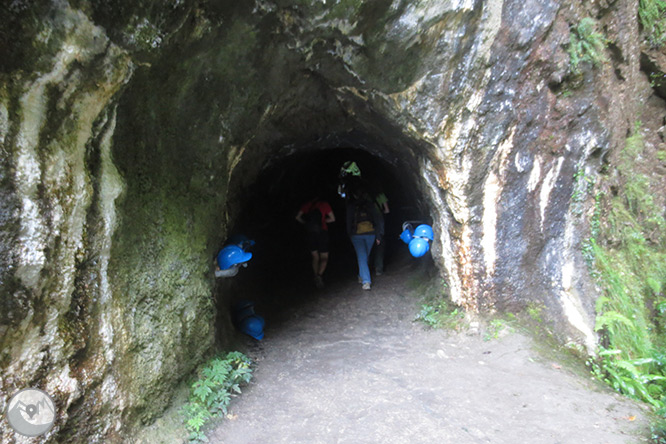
pixel 365 226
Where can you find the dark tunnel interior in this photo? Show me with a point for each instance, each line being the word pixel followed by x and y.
pixel 279 275
pixel 255 187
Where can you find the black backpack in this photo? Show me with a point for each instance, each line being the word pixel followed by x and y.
pixel 313 220
pixel 363 217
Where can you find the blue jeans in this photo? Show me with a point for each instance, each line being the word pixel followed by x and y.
pixel 363 245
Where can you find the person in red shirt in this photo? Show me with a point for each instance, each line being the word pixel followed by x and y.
pixel 315 215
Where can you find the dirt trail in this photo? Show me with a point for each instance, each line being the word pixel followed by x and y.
pixel 352 367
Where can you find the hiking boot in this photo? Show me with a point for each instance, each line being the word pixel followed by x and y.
pixel 319 282
pixel 366 286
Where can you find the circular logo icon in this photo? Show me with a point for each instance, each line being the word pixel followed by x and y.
pixel 31 412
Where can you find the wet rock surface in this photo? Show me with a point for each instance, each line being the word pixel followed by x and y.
pixel 351 366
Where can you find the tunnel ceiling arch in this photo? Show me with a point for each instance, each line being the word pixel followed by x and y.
pixel 238 101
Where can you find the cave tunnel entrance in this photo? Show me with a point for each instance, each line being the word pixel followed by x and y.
pixel 185 171
pixel 279 276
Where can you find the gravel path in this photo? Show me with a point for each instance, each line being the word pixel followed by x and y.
pixel 352 367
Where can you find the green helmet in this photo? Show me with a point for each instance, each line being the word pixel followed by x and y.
pixel 350 168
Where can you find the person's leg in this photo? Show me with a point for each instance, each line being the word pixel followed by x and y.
pixel 323 261
pixel 313 246
pixel 316 265
pixel 315 262
pixel 362 247
pixel 369 240
pixel 323 252
pixel 379 257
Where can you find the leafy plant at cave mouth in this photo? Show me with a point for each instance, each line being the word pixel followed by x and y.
pixel 218 380
pixel 437 309
pixel 652 15
pixel 428 315
pixel 497 327
pixel 442 314
pixel 629 263
pixel 586 44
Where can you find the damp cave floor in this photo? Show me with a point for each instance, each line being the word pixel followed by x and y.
pixel 347 366
pixel 352 366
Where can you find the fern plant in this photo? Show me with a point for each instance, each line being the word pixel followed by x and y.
pixel 212 391
pixel 442 314
pixel 629 264
pixel 652 15
pixel 586 44
pixel 428 315
pixel 633 377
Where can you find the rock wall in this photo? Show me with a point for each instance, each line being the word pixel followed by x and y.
pixel 130 132
pixel 57 307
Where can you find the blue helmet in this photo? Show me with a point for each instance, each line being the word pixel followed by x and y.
pixel 241 240
pixel 406 235
pixel 424 231
pixel 232 255
pixel 418 247
pixel 253 326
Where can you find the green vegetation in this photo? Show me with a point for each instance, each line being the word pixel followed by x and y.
pixel 628 256
pixel 497 326
pixel 586 44
pixel 437 309
pixel 441 314
pixel 211 393
pixel 528 320
pixel 652 15
pixel 658 432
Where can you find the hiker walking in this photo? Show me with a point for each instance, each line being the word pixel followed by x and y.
pixel 315 215
pixel 365 226
pixel 381 201
pixel 349 179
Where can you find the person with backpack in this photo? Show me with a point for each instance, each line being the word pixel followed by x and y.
pixel 349 178
pixel 365 226
pixel 315 215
